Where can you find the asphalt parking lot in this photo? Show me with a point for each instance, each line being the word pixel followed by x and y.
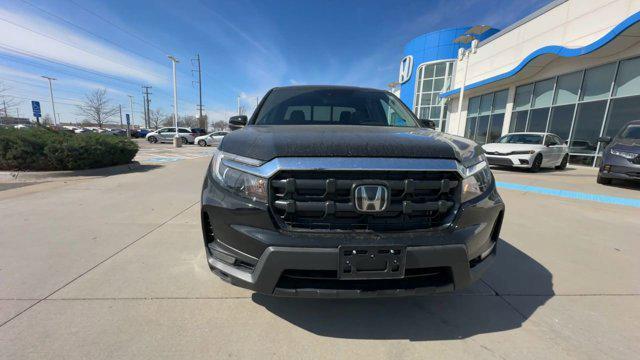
pixel 114 267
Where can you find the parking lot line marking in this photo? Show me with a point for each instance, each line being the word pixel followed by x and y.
pixel 161 159
pixel 571 194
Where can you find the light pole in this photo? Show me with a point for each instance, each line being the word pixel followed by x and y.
pixel 53 105
pixel 176 139
pixel 131 107
pixel 470 36
pixel 462 54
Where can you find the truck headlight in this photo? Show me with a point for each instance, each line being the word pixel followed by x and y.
pixel 624 154
pixel 242 183
pixel 477 179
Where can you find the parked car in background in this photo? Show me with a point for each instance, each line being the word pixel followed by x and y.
pixel 621 155
pixel 211 139
pixel 528 150
pixel 167 134
pixel 81 131
pixel 199 131
pixel 139 133
pixel 118 132
pixel 102 131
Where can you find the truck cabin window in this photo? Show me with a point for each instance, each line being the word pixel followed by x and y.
pixel 334 107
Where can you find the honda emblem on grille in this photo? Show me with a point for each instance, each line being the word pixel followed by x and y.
pixel 371 198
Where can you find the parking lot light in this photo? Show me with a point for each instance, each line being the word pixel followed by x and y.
pixel 177 142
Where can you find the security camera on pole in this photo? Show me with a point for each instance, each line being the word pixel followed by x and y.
pixel 177 141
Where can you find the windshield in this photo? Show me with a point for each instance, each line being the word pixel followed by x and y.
pixel 313 106
pixel 533 139
pixel 631 132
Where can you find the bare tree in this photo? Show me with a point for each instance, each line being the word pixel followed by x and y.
pixel 220 125
pixel 188 121
pixel 97 108
pixel 155 118
pixel 46 120
pixel 167 120
pixel 7 102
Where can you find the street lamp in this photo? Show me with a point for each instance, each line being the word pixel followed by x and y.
pixel 131 107
pixel 470 36
pixel 176 139
pixel 53 105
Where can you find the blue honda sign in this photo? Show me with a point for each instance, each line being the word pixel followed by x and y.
pixel 35 105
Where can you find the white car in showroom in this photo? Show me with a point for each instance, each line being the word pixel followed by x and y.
pixel 211 139
pixel 532 150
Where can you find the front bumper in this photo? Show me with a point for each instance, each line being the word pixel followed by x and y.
pixel 616 167
pixel 246 248
pixel 450 263
pixel 523 161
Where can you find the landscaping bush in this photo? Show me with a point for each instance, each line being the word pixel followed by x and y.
pixel 45 149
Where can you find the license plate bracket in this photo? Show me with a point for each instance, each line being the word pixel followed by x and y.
pixel 371 262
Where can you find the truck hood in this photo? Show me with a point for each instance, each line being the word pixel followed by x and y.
pixel 627 144
pixel 266 142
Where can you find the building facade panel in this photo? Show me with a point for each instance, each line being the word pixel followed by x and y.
pixel 433 56
pixel 569 68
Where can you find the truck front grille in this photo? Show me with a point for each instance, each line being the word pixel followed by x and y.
pixel 323 200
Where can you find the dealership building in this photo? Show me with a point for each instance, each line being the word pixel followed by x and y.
pixel 571 68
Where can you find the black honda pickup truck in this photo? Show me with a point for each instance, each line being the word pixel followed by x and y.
pixel 333 191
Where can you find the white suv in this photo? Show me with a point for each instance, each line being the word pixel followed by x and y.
pixel 167 134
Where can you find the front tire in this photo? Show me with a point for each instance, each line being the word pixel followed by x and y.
pixel 537 163
pixel 152 139
pixel 202 143
pixel 603 180
pixel 563 163
pixel 184 141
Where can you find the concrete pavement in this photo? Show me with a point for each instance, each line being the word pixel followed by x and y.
pixel 114 268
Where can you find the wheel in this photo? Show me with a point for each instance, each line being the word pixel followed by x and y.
pixel 537 163
pixel 202 143
pixel 603 180
pixel 184 140
pixel 563 163
pixel 152 139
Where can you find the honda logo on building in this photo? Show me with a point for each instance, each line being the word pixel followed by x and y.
pixel 406 67
pixel 371 198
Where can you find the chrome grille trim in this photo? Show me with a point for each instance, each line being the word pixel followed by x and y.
pixel 270 168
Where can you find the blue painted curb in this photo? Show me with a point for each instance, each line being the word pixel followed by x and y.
pixel 575 195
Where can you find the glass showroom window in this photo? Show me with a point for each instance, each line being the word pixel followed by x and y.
pixel 581 106
pixel 485 116
pixel 433 79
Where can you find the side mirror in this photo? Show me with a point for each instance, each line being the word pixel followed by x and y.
pixel 237 122
pixel 428 123
pixel 604 139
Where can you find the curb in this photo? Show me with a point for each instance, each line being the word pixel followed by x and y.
pixel 20 176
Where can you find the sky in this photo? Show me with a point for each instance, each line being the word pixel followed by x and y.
pixel 246 47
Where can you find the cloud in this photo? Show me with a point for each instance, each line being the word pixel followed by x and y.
pixel 32 80
pixel 24 35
